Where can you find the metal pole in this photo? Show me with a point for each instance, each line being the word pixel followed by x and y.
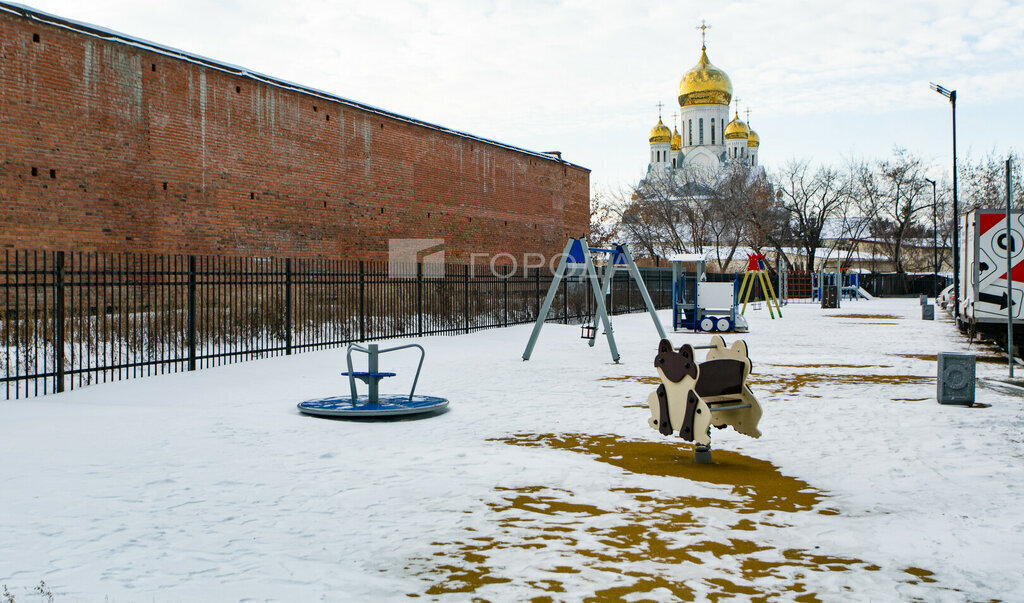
pixel 935 239
pixel 542 311
pixel 536 290
pixel 839 283
pixel 372 367
pixel 288 306
pixel 1009 275
pixel 191 312
pixel 565 302
pixel 419 298
pixel 59 300
pixel 935 242
pixel 778 277
pixel 465 297
pixel 600 310
pixel 362 301
pixel 956 221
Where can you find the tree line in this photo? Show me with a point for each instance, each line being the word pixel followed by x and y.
pixel 883 210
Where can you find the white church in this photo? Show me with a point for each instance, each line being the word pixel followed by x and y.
pixel 709 139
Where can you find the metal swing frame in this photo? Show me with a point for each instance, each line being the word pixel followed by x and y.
pixel 578 252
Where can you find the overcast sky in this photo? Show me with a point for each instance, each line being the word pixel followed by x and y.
pixel 823 80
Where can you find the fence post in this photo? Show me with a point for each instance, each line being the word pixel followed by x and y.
pixel 505 295
pixel 610 303
pixel 778 277
pixel 419 298
pixel 536 288
pixel 565 301
pixel 466 296
pixel 288 306
pixel 666 289
pixel 362 301
pixel 191 312
pixel 59 346
pixel 629 285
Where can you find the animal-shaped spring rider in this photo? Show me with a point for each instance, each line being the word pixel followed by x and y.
pixel 692 397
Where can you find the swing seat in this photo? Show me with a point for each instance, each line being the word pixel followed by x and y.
pixel 588 331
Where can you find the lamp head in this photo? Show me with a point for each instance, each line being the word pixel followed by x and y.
pixel 950 94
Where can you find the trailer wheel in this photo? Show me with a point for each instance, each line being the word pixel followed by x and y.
pixel 723 325
pixel 707 324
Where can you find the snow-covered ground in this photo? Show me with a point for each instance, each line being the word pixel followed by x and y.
pixel 542 480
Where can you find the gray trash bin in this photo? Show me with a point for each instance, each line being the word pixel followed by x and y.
pixel 956 378
pixel 928 312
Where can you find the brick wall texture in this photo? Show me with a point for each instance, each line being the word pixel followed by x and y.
pixel 112 146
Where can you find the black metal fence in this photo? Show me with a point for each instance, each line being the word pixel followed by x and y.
pixel 76 319
pixel 800 287
pixel 895 285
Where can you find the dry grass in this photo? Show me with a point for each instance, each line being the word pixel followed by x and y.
pixel 649 539
pixel 802 384
pixel 934 358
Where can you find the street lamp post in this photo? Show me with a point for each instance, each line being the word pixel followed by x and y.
pixel 935 241
pixel 951 95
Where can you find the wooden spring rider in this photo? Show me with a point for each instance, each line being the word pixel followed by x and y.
pixel 692 397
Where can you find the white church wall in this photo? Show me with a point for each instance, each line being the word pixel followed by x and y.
pixel 693 114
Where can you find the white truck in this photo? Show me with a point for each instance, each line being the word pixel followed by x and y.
pixel 983 269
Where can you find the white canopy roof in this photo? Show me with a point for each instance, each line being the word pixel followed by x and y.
pixel 687 257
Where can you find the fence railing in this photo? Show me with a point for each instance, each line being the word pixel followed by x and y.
pixel 893 285
pixel 75 319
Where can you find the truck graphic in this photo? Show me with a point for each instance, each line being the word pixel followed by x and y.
pixel 983 269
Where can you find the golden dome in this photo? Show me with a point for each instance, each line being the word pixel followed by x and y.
pixel 753 140
pixel 736 129
pixel 660 133
pixel 705 84
pixel 677 140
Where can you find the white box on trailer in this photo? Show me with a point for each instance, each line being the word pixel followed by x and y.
pixel 983 273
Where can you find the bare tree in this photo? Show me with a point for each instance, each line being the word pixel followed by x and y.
pixel 669 212
pixel 767 226
pixel 726 219
pixel 812 198
pixel 638 222
pixel 604 221
pixel 944 224
pixel 983 181
pixel 898 185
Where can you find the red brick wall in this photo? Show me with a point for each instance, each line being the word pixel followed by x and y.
pixel 137 150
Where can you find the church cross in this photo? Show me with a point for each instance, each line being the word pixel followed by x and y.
pixel 660 105
pixel 703 30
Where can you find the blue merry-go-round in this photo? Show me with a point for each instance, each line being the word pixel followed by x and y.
pixel 373 403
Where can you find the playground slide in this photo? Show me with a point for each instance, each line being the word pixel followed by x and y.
pixel 864 294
